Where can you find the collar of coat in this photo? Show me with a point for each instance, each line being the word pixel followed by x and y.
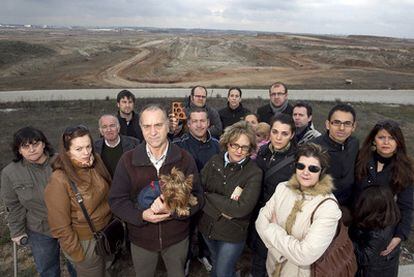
pixel 323 187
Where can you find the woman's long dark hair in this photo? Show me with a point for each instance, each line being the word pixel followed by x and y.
pixel 402 164
pixel 63 161
pixel 29 135
pixel 376 208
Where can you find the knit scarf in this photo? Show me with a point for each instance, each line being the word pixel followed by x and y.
pixel 277 110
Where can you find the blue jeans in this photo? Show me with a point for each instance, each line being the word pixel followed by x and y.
pixel 224 256
pixel 46 254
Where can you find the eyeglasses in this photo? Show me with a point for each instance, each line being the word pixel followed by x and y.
pixel 277 94
pixel 33 144
pixel 200 96
pixel 338 123
pixel 236 147
pixel 71 129
pixel 311 168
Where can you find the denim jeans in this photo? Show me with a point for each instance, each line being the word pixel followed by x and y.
pixel 46 254
pixel 224 256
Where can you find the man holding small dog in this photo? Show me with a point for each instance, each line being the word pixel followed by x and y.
pixel 156 230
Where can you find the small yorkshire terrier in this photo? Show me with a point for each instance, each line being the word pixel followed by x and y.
pixel 175 189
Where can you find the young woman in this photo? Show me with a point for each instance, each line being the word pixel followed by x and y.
pixel 375 217
pixel 383 161
pixel 23 182
pixel 284 222
pixel 78 163
pixel 231 187
pixel 276 159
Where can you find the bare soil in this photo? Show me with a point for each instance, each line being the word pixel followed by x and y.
pixel 79 58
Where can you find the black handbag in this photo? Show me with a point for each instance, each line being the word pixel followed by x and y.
pixel 111 239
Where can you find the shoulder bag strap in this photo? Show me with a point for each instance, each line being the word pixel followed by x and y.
pixel 317 206
pixel 79 199
pixel 279 166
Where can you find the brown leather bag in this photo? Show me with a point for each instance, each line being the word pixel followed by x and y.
pixel 339 259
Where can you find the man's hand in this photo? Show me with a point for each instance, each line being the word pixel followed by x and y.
pixel 393 243
pixel 159 207
pixel 173 123
pixel 150 216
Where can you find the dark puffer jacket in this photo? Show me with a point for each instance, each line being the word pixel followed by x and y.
pixel 219 182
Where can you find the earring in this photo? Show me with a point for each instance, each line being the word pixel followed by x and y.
pixel 373 147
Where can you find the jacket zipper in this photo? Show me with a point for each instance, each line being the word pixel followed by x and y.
pixel 159 233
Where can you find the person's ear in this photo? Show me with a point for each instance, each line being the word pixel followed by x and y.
pixel 327 124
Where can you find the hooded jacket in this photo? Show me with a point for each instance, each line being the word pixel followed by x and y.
pixel 294 243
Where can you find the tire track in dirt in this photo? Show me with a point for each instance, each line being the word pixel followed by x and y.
pixel 113 74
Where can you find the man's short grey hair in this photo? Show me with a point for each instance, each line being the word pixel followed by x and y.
pixel 153 107
pixel 111 115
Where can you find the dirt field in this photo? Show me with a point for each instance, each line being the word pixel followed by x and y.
pixel 79 58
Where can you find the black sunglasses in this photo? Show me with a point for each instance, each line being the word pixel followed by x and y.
pixel 311 168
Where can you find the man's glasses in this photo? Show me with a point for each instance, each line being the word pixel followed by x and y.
pixel 338 123
pixel 200 96
pixel 311 168
pixel 236 147
pixel 277 94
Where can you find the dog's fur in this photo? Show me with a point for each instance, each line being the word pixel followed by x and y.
pixel 176 191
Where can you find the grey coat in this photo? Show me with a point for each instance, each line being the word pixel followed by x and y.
pixel 22 189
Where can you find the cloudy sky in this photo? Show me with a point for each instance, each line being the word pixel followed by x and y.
pixel 371 17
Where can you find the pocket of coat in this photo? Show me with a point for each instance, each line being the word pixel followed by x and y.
pixel 24 191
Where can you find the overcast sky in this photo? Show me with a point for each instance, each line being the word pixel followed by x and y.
pixel 370 17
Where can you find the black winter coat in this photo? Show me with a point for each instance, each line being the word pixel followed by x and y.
pixel 266 160
pixel 219 182
pixel 342 165
pixel 265 112
pixel 404 198
pixel 368 245
pixel 229 116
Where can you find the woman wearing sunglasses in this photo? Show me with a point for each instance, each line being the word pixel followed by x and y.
pixel 23 182
pixel 232 186
pixel 78 163
pixel 284 223
pixel 383 161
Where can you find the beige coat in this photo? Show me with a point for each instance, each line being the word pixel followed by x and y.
pixel 293 243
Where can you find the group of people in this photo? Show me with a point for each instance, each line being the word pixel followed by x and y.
pixel 258 183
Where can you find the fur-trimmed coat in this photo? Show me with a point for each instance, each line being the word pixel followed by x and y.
pixel 293 243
